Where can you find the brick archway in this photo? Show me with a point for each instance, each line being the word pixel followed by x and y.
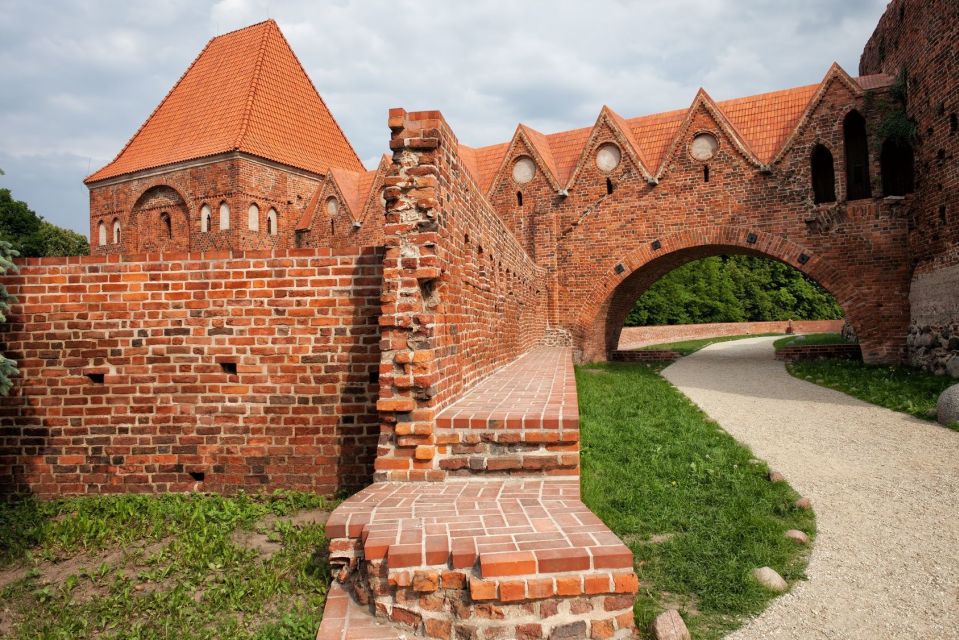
pixel 599 325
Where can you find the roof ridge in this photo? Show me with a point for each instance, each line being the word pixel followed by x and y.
pixel 299 65
pixel 254 82
pixel 155 109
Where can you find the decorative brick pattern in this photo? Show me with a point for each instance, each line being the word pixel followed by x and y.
pixel 257 370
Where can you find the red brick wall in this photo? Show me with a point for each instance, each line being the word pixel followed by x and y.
pixel 460 295
pixel 300 327
pixel 635 337
pixel 919 38
pixel 857 250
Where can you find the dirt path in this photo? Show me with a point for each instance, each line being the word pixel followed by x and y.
pixel 885 488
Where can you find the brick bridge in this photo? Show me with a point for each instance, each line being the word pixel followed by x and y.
pixel 262 311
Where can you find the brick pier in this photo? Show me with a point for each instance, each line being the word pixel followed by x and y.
pixel 503 548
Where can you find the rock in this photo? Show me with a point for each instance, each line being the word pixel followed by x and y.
pixel 771 580
pixel 952 366
pixel 797 536
pixel 775 476
pixel 669 625
pixel 803 503
pixel 947 409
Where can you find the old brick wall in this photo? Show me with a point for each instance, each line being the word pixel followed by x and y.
pixel 256 369
pixel 460 295
pixel 635 337
pixel 919 39
pixel 608 248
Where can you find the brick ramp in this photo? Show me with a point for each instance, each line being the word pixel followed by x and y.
pixel 507 550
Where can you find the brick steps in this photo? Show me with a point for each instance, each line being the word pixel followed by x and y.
pixel 483 558
pixel 509 452
pixel 346 619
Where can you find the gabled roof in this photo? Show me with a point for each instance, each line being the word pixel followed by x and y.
pixel 762 126
pixel 353 188
pixel 248 92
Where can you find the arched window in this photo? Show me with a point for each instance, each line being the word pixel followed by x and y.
pixel 205 216
pixel 116 231
pixel 224 216
pixel 857 157
pixel 271 222
pixel 253 218
pixel 102 233
pixel 823 175
pixel 896 162
pixel 167 224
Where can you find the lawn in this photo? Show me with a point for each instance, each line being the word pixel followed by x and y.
pixel 172 567
pixel 895 387
pixel 694 506
pixel 809 339
pixel 686 347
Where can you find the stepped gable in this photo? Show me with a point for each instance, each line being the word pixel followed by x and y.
pixel 763 122
pixel 247 92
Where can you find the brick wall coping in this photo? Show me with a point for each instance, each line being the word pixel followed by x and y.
pixel 535 391
pixel 817 351
pixel 317 252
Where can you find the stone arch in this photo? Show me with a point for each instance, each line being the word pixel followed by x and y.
pixel 158 209
pixel 599 324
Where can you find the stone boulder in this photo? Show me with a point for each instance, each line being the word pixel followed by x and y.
pixel 669 625
pixel 769 578
pixel 952 366
pixel 947 409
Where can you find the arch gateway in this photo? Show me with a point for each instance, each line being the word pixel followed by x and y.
pixel 347 333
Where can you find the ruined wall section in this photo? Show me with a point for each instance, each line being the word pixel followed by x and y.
pixel 919 39
pixel 460 295
pixel 251 371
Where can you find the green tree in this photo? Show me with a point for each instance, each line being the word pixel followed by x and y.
pixel 32 236
pixel 733 289
pixel 8 368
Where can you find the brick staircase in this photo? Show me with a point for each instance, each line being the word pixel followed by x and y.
pixel 504 548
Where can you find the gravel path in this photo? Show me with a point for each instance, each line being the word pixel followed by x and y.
pixel 885 488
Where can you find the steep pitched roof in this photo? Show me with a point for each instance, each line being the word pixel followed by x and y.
pixel 246 91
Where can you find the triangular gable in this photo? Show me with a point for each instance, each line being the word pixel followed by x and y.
pixel 371 186
pixel 834 74
pixel 567 147
pixel 705 102
pixel 521 137
pixel 246 91
pixel 623 136
pixel 338 183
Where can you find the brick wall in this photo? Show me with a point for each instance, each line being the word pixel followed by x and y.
pixel 919 38
pixel 635 337
pixel 460 295
pixel 256 369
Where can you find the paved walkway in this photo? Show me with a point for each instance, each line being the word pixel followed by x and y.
pixel 885 488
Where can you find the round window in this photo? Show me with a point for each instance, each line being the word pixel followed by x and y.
pixel 704 146
pixel 523 170
pixel 608 157
pixel 332 206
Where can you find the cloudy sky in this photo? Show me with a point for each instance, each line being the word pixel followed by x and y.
pixel 79 76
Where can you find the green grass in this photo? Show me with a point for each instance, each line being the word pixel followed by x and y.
pixel 895 387
pixel 654 465
pixel 810 339
pixel 161 567
pixel 686 347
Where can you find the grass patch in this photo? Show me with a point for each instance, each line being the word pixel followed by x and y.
pixel 809 339
pixel 895 387
pixel 697 511
pixel 686 347
pixel 165 567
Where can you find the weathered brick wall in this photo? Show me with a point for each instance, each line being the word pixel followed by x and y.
pixel 919 38
pixel 819 352
pixel 607 249
pixel 257 369
pixel 635 337
pixel 460 295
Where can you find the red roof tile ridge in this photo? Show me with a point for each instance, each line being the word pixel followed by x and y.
pixel 92 177
pixel 360 166
pixel 251 96
pixel 542 147
pixel 627 132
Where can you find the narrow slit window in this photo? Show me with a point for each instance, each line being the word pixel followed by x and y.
pixel 519 198
pixel 609 187
pixel 167 224
pixel 953 123
pixel 705 173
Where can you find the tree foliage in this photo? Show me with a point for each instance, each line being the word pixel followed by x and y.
pixel 31 236
pixel 733 289
pixel 8 368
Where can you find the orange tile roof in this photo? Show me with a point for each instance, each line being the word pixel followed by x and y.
pixel 764 122
pixel 542 146
pixel 248 92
